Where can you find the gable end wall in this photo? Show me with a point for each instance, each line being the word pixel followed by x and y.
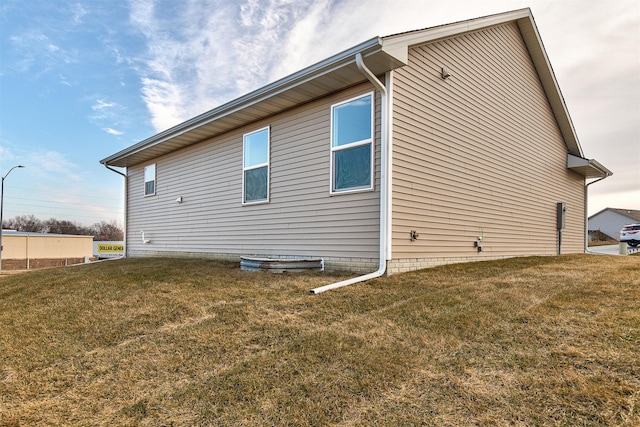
pixel 478 154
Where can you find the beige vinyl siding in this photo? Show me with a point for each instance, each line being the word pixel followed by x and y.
pixel 301 218
pixel 479 153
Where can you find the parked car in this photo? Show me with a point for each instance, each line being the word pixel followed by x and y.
pixel 630 234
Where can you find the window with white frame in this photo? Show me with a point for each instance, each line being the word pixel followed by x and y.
pixel 150 180
pixel 352 144
pixel 255 178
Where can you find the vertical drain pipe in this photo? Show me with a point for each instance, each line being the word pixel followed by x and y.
pixel 384 183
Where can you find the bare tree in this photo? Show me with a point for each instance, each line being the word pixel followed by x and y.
pixel 55 226
pixel 104 230
pixel 28 223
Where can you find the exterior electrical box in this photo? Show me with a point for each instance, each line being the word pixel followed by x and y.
pixel 561 213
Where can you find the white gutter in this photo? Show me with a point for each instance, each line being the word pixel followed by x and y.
pixel 385 183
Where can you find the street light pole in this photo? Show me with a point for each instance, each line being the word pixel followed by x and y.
pixel 2 208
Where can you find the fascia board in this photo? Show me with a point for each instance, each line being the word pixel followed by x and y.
pixel 599 166
pixel 398 44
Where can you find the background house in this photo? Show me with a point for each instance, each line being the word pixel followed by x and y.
pixel 611 220
pixel 440 145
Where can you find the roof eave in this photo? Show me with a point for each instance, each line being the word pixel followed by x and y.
pixel 633 215
pixel 381 54
pixel 378 61
pixel 589 168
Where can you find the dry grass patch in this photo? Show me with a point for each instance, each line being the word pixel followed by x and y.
pixel 528 341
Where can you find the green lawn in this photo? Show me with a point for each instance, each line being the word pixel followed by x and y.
pixel 166 342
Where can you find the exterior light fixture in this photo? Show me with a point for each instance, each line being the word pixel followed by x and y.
pixel 444 74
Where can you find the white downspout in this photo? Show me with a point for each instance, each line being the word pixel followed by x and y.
pixel 385 183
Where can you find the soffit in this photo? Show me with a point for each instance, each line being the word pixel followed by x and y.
pixel 589 168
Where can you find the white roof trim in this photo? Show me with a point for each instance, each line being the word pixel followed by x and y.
pixel 398 43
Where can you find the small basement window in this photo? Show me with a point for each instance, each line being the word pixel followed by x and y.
pixel 352 144
pixel 150 180
pixel 255 170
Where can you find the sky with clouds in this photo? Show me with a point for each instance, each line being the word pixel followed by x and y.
pixel 81 80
